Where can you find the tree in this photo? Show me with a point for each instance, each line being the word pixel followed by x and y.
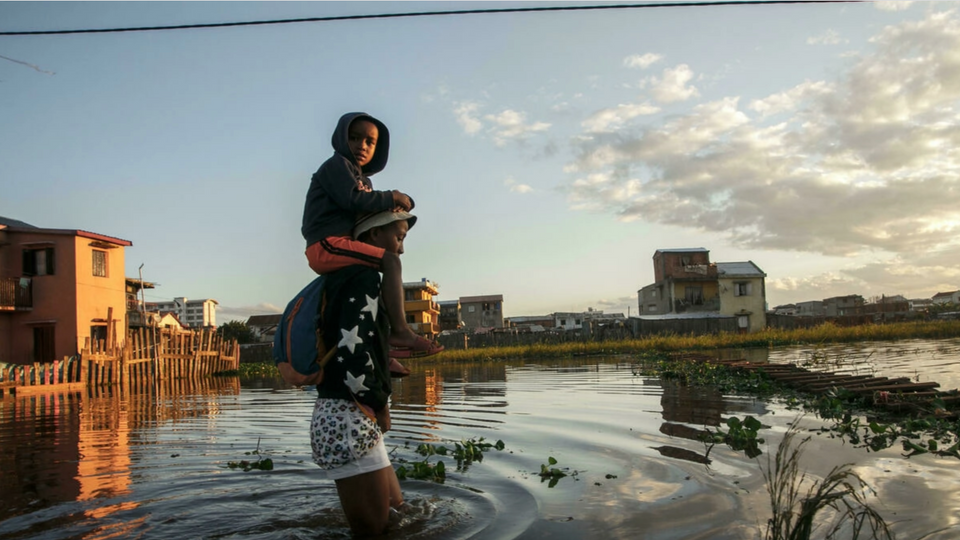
pixel 237 330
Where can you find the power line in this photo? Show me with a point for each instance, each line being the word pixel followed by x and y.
pixel 423 14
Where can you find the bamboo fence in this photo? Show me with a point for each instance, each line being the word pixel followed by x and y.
pixel 147 357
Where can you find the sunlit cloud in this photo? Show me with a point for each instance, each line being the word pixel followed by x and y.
pixel 892 5
pixel 467 117
pixel 642 61
pixel 514 187
pixel 509 125
pixel 672 85
pixel 615 117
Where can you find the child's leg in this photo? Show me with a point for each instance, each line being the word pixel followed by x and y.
pixel 392 286
pixel 367 499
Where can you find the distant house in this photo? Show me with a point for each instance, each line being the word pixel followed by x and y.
pixel 919 304
pixel 168 319
pixel 191 313
pixel 264 327
pixel 482 311
pixel 785 309
pixel 840 306
pixel 687 283
pixel 543 321
pixel 743 294
pixel 449 315
pixel 422 313
pixel 811 308
pixel 58 288
pixel 952 297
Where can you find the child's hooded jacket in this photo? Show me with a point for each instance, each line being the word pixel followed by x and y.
pixel 340 190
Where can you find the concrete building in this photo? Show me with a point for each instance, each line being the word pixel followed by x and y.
pixel 264 327
pixel 811 308
pixel 743 294
pixel 449 315
pixel 58 288
pixel 952 297
pixel 422 313
pixel 839 306
pixel 482 311
pixel 191 313
pixel 687 282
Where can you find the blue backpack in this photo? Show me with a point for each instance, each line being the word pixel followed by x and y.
pixel 298 348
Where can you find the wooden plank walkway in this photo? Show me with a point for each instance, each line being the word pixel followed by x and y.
pixel 898 394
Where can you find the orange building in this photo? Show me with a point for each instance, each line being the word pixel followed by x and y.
pixel 58 287
pixel 423 314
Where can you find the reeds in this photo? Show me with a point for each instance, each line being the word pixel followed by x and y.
pixel 840 495
pixel 769 338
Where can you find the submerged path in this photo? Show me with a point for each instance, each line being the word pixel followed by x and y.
pixel 895 395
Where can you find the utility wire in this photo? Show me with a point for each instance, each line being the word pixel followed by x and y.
pixel 424 14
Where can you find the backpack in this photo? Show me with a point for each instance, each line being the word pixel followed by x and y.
pixel 298 348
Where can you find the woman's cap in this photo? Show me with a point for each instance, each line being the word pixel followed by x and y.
pixel 379 219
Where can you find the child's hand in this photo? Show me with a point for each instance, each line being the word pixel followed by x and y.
pixel 402 200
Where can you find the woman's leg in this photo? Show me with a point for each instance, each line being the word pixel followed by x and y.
pixel 367 499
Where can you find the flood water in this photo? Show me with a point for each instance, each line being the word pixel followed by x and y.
pixel 154 464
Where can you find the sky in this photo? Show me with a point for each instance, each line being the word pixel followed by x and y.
pixel 549 154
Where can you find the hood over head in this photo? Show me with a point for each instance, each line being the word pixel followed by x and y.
pixel 340 146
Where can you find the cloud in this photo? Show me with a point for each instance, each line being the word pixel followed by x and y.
pixel 830 37
pixel 614 117
pixel 466 113
pixel 511 125
pixel 642 61
pixel 245 312
pixel 868 162
pixel 672 86
pixel 517 188
pixel 892 5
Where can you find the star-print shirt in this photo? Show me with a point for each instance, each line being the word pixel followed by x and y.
pixel 355 324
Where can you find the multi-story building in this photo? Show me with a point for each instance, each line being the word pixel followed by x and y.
pixel 482 311
pixel 839 306
pixel 743 294
pixel 688 283
pixel 190 313
pixel 449 315
pixel 422 313
pixel 264 327
pixel 811 308
pixel 58 288
pixel 685 281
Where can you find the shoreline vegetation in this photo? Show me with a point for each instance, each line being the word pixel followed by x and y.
pixel 660 345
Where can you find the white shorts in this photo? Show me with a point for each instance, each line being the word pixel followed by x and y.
pixel 344 440
pixel 374 460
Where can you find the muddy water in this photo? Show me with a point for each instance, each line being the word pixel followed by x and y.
pixel 154 464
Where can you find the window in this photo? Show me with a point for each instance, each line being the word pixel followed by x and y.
pixel 576 322
pixel 651 307
pixel 408 295
pixel 99 263
pixel 38 262
pixel 471 309
pixel 98 333
pixel 486 306
pixel 742 288
pixel 410 319
pixel 563 322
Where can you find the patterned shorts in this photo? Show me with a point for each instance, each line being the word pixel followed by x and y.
pixel 340 433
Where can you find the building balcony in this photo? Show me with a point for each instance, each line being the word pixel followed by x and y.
pixel 16 294
pixel 421 305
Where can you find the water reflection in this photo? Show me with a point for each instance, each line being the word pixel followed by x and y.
pixel 76 446
pixel 153 463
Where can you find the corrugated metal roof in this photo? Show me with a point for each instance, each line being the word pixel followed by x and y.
pixel 730 269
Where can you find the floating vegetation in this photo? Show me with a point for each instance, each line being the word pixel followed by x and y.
pixel 261 464
pixel 465 452
pixel 553 474
pixel 741 436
